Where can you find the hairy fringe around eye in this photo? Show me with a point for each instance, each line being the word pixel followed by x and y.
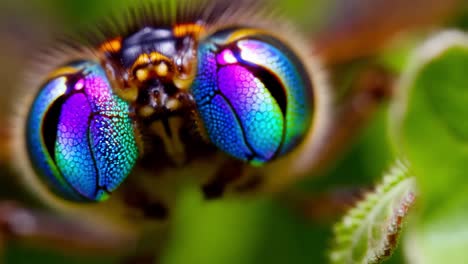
pixel 212 15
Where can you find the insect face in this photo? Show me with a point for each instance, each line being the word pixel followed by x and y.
pixel 191 89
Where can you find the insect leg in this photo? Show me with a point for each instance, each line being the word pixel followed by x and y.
pixel 325 206
pixel 52 231
pixel 229 173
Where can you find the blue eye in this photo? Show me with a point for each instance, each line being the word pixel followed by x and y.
pixel 253 94
pixel 79 135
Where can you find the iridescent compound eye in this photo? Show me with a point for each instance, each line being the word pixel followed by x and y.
pixel 253 94
pixel 80 138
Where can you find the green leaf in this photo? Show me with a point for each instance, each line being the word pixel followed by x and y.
pixel 370 231
pixel 431 131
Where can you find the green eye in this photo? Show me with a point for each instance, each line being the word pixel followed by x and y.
pixel 79 135
pixel 253 94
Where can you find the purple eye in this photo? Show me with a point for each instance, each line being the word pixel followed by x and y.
pixel 79 135
pixel 253 94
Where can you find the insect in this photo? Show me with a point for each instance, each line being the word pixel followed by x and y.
pixel 247 92
pixel 110 129
pixel 215 93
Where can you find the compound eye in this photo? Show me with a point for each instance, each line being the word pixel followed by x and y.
pixel 79 135
pixel 253 94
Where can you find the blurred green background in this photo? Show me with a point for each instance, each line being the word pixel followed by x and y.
pixel 261 230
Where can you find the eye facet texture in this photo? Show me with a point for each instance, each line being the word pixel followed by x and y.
pixel 79 135
pixel 253 94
